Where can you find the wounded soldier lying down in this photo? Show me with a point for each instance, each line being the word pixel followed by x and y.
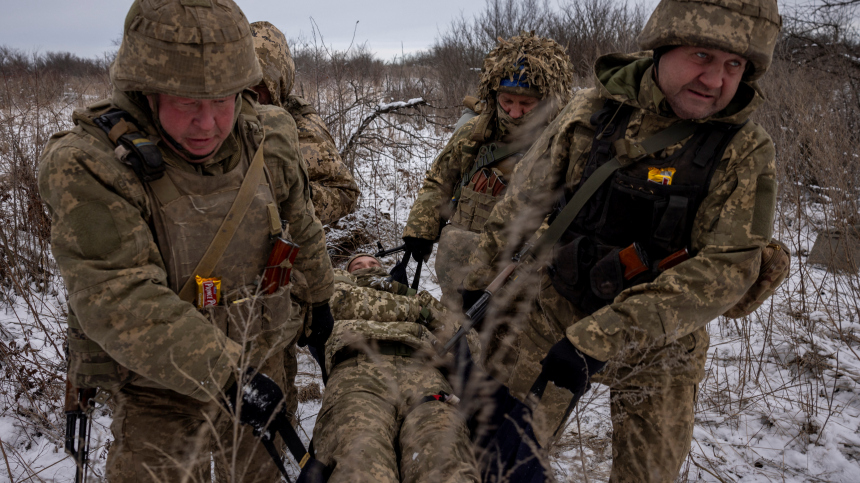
pixel 388 414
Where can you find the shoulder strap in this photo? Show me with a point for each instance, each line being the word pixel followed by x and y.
pixel 631 153
pixel 229 226
pixel 137 150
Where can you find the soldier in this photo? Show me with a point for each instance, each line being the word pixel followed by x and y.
pixel 525 81
pixel 334 191
pixel 387 414
pixel 712 194
pixel 180 181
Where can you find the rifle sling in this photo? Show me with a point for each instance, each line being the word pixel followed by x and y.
pixel 228 227
pixel 671 135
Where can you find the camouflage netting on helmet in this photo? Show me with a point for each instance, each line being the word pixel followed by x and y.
pixel 541 62
pixel 188 48
pixel 747 28
pixel 279 70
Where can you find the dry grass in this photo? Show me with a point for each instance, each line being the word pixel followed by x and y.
pixel 787 372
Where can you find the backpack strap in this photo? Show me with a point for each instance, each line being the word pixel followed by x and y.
pixel 136 149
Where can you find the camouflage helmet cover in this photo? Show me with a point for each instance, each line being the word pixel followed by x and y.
pixel 747 28
pixel 540 63
pixel 279 70
pixel 189 48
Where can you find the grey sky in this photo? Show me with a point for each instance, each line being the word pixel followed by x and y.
pixel 87 27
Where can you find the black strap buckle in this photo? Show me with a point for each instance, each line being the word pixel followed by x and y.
pixel 140 152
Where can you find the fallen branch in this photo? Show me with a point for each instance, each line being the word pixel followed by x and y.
pixel 380 110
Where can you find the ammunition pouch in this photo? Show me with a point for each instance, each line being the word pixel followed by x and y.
pixel 477 200
pixel 590 275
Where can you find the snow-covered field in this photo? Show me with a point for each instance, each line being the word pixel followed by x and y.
pixel 779 403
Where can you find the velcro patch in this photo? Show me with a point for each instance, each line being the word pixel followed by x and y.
pixel 765 206
pixel 94 230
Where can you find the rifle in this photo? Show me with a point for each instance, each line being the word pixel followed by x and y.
pixel 478 310
pixel 384 253
pixel 79 407
pixel 398 272
pixel 312 469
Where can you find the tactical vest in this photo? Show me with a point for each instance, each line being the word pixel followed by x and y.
pixel 187 211
pixel 479 190
pixel 483 185
pixel 652 202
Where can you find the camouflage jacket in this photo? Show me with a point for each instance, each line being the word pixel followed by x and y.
pixel 432 207
pixel 732 225
pixel 334 190
pixel 113 268
pixel 365 309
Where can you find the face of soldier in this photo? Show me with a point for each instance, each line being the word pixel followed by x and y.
pixel 517 105
pixel 699 82
pixel 263 94
pixel 362 262
pixel 198 125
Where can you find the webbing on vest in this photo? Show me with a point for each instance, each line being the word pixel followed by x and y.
pixel 633 152
pixel 229 226
pixel 488 155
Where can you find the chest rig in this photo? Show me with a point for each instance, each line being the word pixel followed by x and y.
pixel 650 203
pixel 484 184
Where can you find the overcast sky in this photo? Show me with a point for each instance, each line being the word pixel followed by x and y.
pixel 88 27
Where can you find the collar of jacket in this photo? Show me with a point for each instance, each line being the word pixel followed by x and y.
pixel 628 78
pixel 227 157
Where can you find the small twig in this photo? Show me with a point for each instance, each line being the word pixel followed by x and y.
pixel 709 471
pixel 6 458
pixel 387 108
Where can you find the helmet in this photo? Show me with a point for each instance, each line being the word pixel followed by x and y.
pixel 529 65
pixel 747 28
pixel 188 48
pixel 279 70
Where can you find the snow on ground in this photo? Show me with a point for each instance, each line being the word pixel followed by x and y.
pixel 779 403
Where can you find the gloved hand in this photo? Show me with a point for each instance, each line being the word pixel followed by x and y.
pixel 322 323
pixel 420 247
pixel 261 401
pixel 314 472
pixel 569 368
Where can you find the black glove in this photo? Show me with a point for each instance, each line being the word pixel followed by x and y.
pixel 569 368
pixel 420 248
pixel 315 472
pixel 261 401
pixel 322 323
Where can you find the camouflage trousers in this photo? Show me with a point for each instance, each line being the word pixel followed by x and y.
pixel 162 436
pixel 652 426
pixel 291 364
pixel 374 427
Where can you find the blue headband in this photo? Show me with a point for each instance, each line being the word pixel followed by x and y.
pixel 519 80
